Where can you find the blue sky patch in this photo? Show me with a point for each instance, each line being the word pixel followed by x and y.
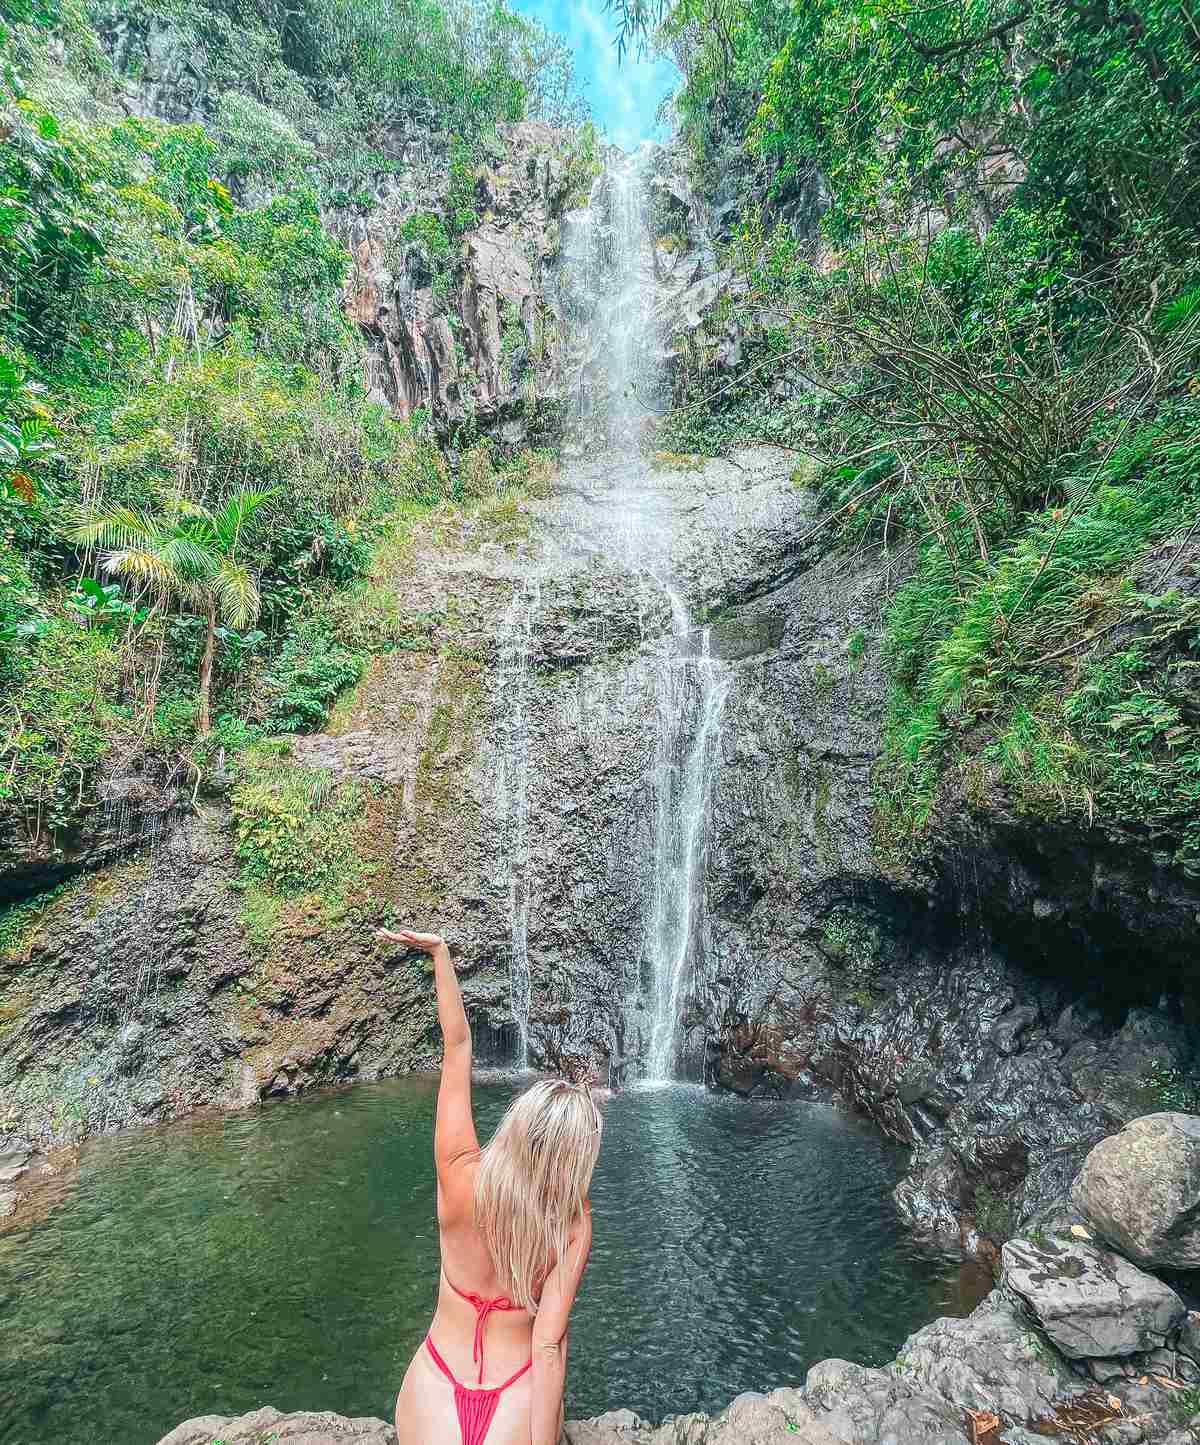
pixel 623 94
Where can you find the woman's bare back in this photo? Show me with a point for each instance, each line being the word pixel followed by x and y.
pixel 489 1372
pixel 467 1334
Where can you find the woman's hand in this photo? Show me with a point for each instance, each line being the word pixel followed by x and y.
pixel 426 942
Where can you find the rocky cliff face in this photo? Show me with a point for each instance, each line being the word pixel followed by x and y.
pixel 468 330
pixel 509 774
pixel 167 981
pixel 629 767
pixel 632 759
pixel 455 251
pixel 506 771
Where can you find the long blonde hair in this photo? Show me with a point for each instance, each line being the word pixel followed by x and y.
pixel 532 1181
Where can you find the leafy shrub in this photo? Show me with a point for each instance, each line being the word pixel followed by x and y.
pixel 27 442
pixel 419 471
pixel 22 619
pixel 995 1214
pixel 48 234
pixel 427 230
pixel 253 139
pixel 19 921
pixel 172 335
pixel 293 826
pixel 1171 1089
pixel 983 647
pixel 301 685
pixel 477 473
pixel 54 732
pixel 852 938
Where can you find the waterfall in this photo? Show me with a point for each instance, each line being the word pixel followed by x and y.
pixel 610 292
pixel 611 295
pixel 611 260
pixel 516 650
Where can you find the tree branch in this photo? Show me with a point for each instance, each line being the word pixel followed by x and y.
pixel 958 47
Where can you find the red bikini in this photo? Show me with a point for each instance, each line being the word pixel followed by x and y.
pixel 476 1406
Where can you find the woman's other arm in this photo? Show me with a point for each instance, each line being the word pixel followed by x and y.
pixel 550 1337
pixel 454 1132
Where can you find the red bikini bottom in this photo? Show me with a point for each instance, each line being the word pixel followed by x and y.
pixel 475 1407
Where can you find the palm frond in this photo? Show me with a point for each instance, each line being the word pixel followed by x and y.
pixel 189 556
pixel 116 528
pixel 236 593
pixel 197 525
pixel 237 511
pixel 146 565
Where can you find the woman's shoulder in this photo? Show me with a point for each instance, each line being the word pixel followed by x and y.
pixel 456 1189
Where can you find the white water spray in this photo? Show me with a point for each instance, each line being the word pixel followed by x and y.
pixel 610 275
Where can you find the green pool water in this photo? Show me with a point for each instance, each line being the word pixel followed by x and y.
pixel 288 1256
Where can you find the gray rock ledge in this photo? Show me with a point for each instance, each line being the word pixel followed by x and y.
pixel 1091 1303
pixel 304 1427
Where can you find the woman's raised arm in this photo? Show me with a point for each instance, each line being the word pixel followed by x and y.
pixel 454 1134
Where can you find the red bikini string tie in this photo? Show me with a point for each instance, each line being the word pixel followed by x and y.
pixel 483 1308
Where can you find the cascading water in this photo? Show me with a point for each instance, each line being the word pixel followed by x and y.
pixel 676 939
pixel 604 293
pixel 610 284
pixel 610 292
pixel 516 648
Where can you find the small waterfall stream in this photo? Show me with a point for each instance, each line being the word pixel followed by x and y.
pixel 516 648
pixel 691 706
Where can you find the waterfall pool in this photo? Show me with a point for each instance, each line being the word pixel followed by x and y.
pixel 288 1256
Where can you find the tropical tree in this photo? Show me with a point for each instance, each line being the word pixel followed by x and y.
pixel 188 554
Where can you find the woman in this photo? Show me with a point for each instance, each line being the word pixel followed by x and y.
pixel 515 1230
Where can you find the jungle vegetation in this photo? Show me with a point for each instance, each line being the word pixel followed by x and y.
pixel 970 233
pixel 192 479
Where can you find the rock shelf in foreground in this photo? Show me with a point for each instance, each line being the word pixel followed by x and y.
pixel 304 1427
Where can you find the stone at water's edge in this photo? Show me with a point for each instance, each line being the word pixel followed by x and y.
pixel 14 1162
pixel 992 1362
pixel 302 1428
pixel 1091 1303
pixel 1141 1189
pixel 780 1418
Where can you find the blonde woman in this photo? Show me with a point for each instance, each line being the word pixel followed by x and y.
pixel 515 1230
